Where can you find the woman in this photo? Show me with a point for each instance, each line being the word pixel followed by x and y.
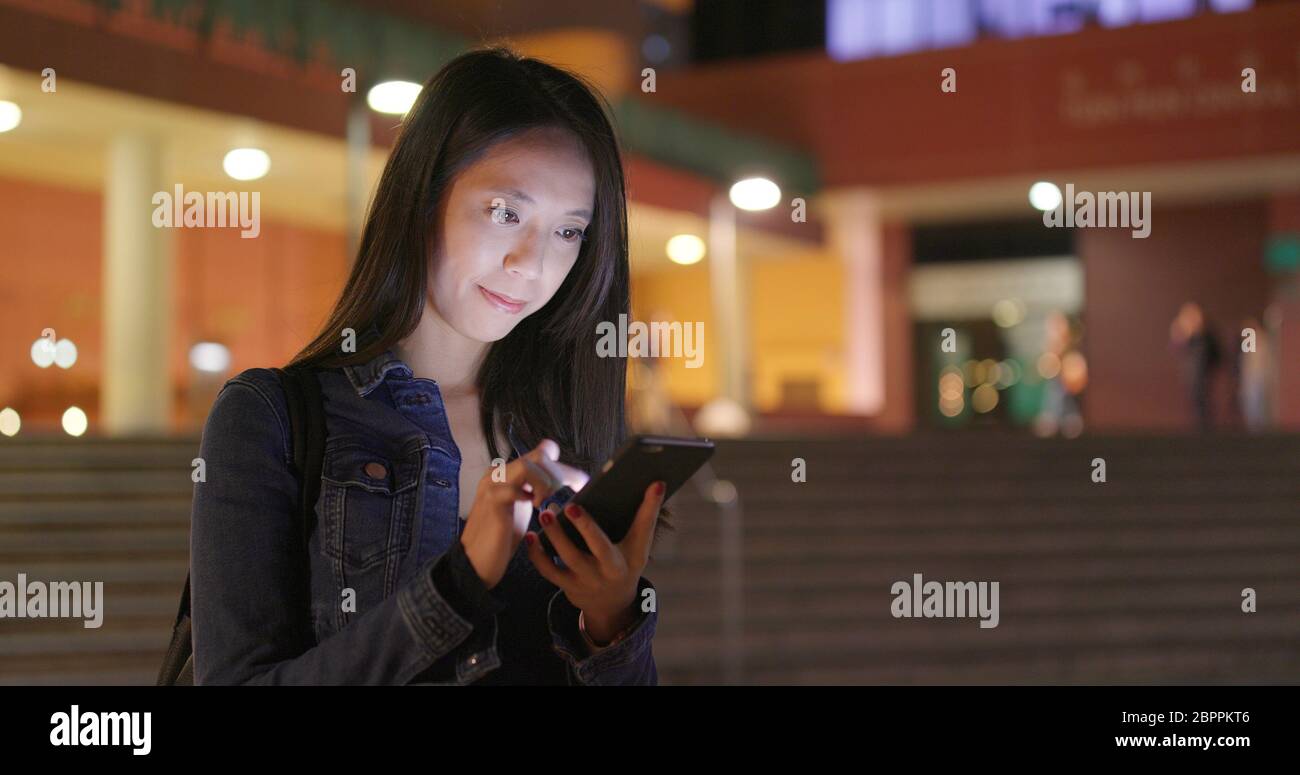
pixel 496 242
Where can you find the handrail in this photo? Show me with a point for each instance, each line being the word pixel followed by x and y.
pixel 723 494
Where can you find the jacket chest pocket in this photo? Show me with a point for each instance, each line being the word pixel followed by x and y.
pixel 369 498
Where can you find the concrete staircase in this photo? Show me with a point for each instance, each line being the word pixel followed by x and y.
pixel 1135 580
pixel 95 510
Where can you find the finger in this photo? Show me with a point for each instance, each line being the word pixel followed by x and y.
pixel 572 477
pixel 540 470
pixel 515 499
pixel 512 488
pixel 574 558
pixel 548 483
pixel 598 542
pixel 547 457
pixel 509 491
pixel 525 472
pixel 636 544
pixel 560 577
pixel 546 449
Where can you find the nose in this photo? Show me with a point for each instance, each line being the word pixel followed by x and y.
pixel 525 259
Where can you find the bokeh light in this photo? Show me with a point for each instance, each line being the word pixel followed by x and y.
pixel 10 115
pixel 685 249
pixel 1009 373
pixel 1045 196
pixel 984 399
pixel 74 421
pixel 246 163
pixel 43 352
pixel 65 354
pixel 210 357
pixel 953 407
pixel 755 194
pixel 951 386
pixel 1008 313
pixel 10 422
pixel 393 97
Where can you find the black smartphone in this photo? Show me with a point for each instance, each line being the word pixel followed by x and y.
pixel 613 497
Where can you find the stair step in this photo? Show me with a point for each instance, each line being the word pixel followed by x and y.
pixel 1134 580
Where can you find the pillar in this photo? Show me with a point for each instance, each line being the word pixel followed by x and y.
pixel 136 385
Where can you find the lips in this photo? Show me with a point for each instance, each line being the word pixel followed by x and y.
pixel 503 302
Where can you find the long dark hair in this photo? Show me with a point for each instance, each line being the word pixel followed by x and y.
pixel 545 373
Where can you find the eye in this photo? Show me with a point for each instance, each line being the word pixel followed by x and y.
pixel 570 234
pixel 503 215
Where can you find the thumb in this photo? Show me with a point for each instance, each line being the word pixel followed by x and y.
pixel 547 449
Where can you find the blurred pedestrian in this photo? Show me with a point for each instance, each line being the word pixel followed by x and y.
pixel 1065 373
pixel 1255 378
pixel 1193 337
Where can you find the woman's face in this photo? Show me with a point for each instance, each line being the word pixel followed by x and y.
pixel 511 227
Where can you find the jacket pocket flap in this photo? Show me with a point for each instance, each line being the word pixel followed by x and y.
pixel 373 470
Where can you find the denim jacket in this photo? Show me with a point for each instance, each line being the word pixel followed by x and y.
pixel 385 593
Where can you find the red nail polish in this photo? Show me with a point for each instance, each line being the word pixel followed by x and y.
pixel 572 511
pixel 545 518
pixel 529 538
pixel 659 488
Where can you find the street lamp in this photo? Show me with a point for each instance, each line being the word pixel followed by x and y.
pixel 729 413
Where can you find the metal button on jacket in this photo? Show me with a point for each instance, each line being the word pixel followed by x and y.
pixel 376 471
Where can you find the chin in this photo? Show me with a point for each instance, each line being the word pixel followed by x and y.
pixel 488 330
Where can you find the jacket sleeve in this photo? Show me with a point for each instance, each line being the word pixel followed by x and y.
pixel 630 662
pixel 252 621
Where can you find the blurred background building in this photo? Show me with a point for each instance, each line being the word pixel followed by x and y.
pixel 905 138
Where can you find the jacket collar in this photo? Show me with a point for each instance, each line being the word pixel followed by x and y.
pixel 365 377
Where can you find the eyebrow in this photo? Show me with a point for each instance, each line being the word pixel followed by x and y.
pixel 517 194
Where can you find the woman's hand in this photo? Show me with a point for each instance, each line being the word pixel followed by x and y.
pixel 502 510
pixel 603 583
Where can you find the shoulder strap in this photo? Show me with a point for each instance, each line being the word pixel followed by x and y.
pixel 184 609
pixel 307 433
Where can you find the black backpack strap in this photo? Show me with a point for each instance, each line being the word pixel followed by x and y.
pixel 185 603
pixel 307 430
pixel 178 662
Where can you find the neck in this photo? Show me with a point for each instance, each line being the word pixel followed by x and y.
pixel 436 351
